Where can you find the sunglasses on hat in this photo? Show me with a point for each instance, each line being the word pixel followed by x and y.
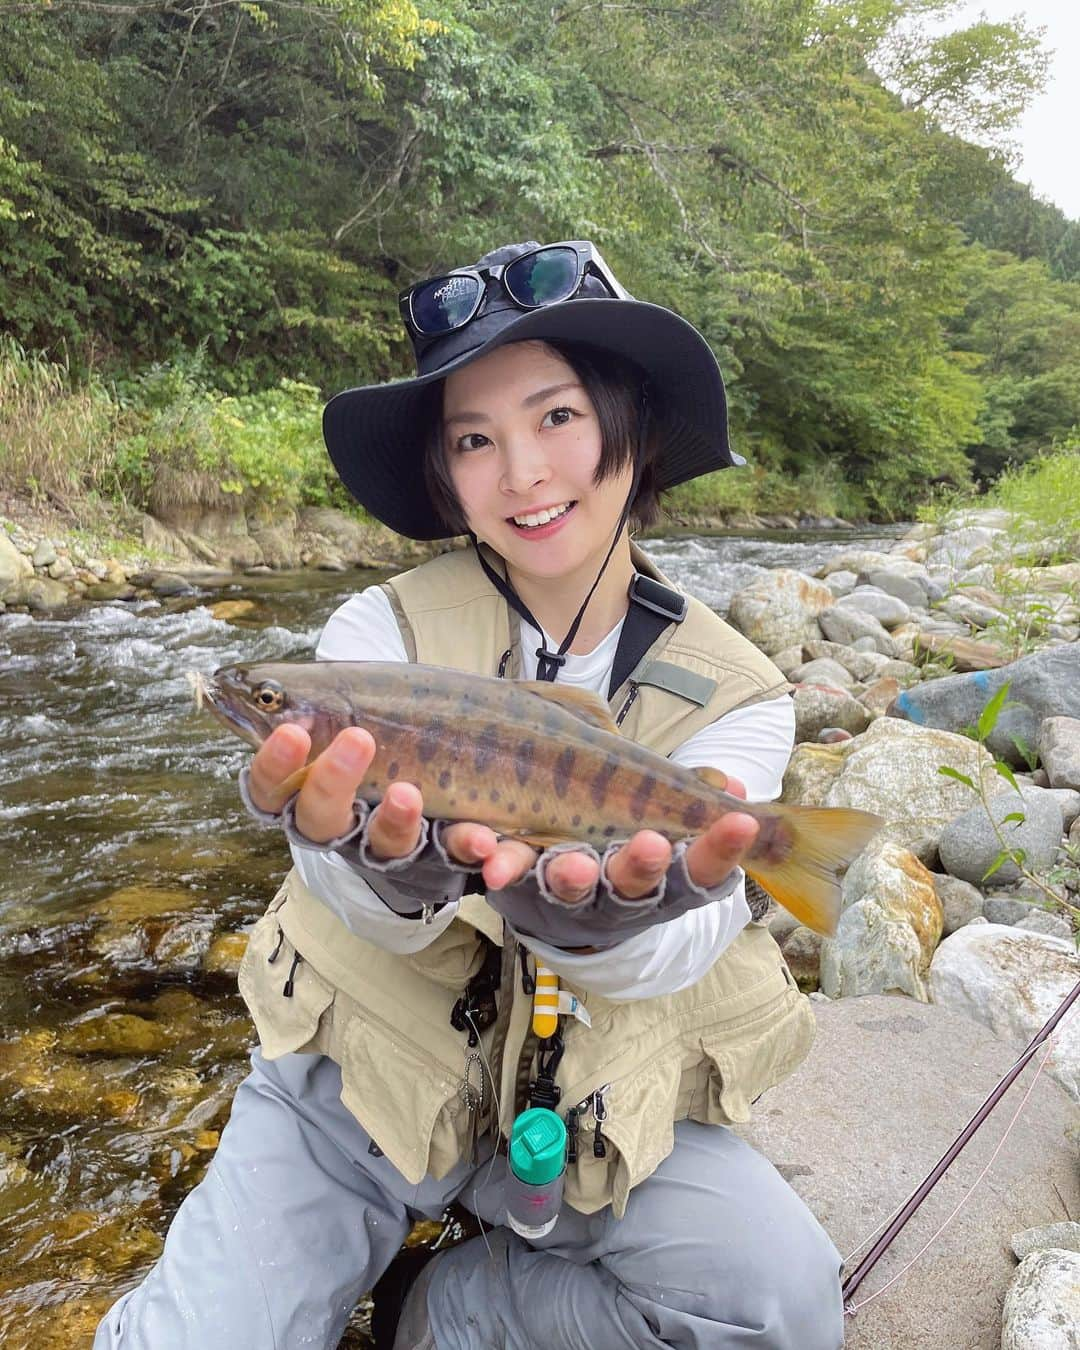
pixel 544 276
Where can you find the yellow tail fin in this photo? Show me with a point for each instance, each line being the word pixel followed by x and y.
pixel 824 842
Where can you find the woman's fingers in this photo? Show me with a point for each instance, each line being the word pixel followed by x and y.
pixel 636 869
pixel 394 829
pixel 572 876
pixel 508 863
pixel 468 843
pixel 283 752
pixel 713 854
pixel 324 805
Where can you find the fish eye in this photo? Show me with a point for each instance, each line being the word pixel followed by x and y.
pixel 269 696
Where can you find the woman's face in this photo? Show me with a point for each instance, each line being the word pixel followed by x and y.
pixel 522 445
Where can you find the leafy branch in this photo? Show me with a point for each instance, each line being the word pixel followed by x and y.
pixel 1060 881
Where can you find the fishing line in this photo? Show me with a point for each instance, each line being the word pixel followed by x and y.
pixel 1048 1035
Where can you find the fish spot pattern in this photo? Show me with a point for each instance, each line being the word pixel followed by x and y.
pixel 473 794
pixel 486 749
pixel 536 806
pixel 564 767
pixel 695 815
pixel 444 779
pixel 642 795
pixel 494 795
pixel 430 740
pixel 524 756
pixel 599 786
pixel 392 770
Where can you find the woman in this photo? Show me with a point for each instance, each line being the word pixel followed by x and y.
pixel 391 979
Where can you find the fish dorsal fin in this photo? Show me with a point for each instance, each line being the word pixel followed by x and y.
pixel 714 777
pixel 582 703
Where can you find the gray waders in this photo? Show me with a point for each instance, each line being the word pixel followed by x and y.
pixel 296 1220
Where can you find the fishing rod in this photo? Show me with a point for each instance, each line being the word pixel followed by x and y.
pixel 926 1186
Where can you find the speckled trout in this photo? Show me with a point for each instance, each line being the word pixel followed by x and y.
pixel 540 762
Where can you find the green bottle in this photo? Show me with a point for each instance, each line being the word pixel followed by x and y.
pixel 534 1187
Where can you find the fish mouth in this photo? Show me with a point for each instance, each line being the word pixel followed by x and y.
pixel 225 696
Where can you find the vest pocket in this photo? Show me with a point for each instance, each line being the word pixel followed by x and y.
pixel 637 1133
pixel 742 1065
pixel 409 1101
pixel 285 996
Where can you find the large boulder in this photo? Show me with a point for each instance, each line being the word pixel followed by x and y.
pixel 883 1093
pixel 1046 684
pixel 1042 1309
pixel 970 844
pixel 1059 750
pixel 890 925
pixel 1011 980
pixel 780 609
pixel 13 564
pixel 892 770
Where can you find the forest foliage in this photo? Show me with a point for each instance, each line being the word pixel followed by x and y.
pixel 224 197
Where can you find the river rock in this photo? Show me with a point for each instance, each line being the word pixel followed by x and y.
pixel 892 770
pixel 13 564
pixel 1046 684
pixel 44 554
pixel 1069 801
pixel 110 590
pixel 779 609
pixel 822 671
pixel 114 1034
pixel 968 611
pixel 888 930
pixel 38 593
pixel 1003 907
pixel 801 949
pixel 818 706
pixel 857 560
pixel 888 1084
pixel 853 628
pixel 791 658
pixel 880 696
pixel 1043 921
pixel 912 589
pixel 969 843
pixel 889 610
pixel 961 903
pixel 1059 750
pixel 1064 1236
pixel 841 583
pixel 952 551
pixel 1011 981
pixel 170 583
pixel 1042 1307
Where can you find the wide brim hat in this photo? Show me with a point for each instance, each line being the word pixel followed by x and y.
pixel 376 434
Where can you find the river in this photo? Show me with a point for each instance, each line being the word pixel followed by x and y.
pixel 129 872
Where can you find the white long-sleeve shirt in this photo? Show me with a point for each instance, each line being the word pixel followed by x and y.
pixel 752 744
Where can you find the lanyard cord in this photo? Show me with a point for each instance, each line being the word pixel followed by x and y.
pixel 548 663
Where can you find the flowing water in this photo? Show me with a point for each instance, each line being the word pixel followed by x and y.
pixel 128 874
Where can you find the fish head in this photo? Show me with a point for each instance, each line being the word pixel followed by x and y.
pixel 252 700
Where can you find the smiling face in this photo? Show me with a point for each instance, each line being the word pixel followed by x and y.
pixel 522 443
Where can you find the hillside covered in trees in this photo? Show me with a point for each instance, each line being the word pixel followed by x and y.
pixel 208 207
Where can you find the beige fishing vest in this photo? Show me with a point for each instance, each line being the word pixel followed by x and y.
pixel 704 1053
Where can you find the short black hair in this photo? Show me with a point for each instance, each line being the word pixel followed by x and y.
pixel 617 390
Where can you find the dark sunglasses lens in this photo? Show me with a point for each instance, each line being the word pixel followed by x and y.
pixel 543 278
pixel 444 304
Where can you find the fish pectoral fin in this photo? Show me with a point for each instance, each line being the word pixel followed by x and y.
pixel 582 703
pixel 542 841
pixel 295 781
pixel 714 777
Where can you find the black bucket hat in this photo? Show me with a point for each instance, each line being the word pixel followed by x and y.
pixel 375 434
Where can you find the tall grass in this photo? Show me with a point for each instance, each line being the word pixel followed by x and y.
pixel 56 440
pixel 1047 491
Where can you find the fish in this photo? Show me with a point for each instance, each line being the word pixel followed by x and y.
pixel 536 761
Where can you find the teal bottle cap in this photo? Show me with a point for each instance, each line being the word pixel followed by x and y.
pixel 538 1146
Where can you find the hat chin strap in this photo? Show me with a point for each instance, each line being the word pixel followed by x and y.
pixel 549 663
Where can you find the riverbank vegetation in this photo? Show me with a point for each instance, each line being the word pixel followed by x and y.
pixel 207 210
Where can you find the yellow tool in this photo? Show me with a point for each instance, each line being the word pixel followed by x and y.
pixel 545 1017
